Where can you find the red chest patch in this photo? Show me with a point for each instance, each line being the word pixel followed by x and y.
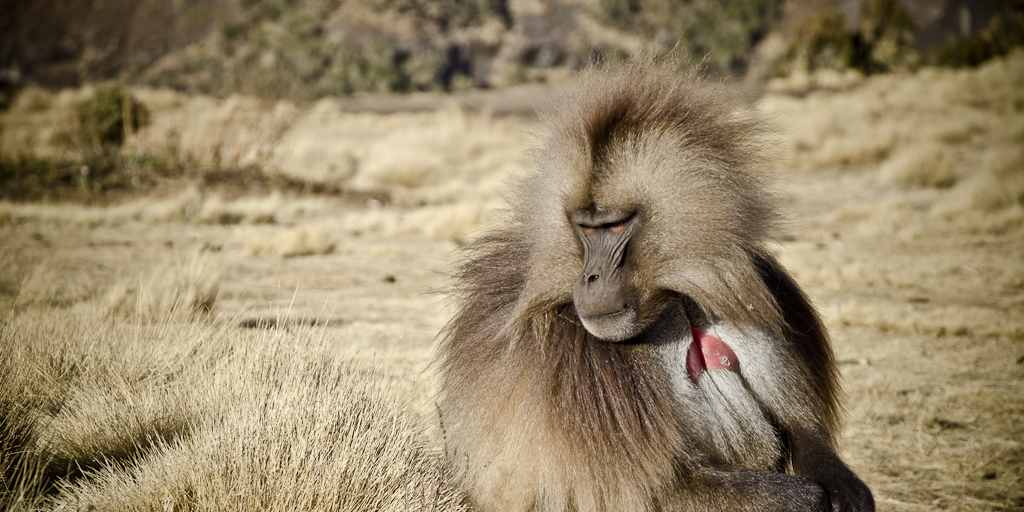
pixel 708 352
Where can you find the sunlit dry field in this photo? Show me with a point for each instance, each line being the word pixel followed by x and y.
pixel 194 348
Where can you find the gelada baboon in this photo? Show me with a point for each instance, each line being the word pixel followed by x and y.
pixel 626 341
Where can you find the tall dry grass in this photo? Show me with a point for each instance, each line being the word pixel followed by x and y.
pixel 301 241
pixel 136 413
pixel 179 288
pixel 958 131
pixel 868 123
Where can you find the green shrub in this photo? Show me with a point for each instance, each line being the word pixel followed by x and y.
pixel 881 42
pixel 449 14
pixel 720 33
pixel 886 32
pixel 822 42
pixel 1004 32
pixel 232 31
pixel 111 113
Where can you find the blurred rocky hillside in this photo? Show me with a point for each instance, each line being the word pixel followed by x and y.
pixel 306 49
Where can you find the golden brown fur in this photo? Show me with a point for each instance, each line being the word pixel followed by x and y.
pixel 551 418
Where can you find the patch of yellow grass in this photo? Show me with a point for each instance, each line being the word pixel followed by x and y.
pixel 236 132
pixel 924 165
pixel 47 284
pixel 253 210
pixel 868 123
pixel 954 130
pixel 181 415
pixel 300 241
pixel 284 425
pixel 1001 184
pixel 427 157
pixel 180 287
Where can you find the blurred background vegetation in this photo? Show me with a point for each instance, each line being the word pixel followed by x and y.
pixel 301 51
pixel 308 49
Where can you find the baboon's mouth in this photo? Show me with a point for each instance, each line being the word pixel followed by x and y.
pixel 615 326
pixel 625 309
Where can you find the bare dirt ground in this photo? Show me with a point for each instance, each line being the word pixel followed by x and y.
pixel 920 280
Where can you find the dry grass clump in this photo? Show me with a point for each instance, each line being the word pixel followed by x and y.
pixel 290 243
pixel 238 132
pixel 1002 182
pixel 991 200
pixel 870 123
pixel 429 157
pixel 30 99
pixel 109 415
pixel 183 206
pixel 450 221
pixel 291 428
pixel 85 391
pixel 38 122
pixel 924 165
pixel 48 284
pixel 94 386
pixel 179 288
pixel 459 148
pixel 253 210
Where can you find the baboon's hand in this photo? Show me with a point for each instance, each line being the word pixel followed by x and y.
pixel 850 495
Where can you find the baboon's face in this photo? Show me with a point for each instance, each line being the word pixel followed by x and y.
pixel 605 295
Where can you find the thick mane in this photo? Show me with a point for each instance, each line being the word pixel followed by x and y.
pixel 611 402
pixel 635 101
pixel 710 210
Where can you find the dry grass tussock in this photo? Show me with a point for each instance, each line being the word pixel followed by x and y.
pixel 177 288
pixel 110 415
pixel 957 130
pixel 923 165
pixel 300 241
pixel 866 125
pixel 402 150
